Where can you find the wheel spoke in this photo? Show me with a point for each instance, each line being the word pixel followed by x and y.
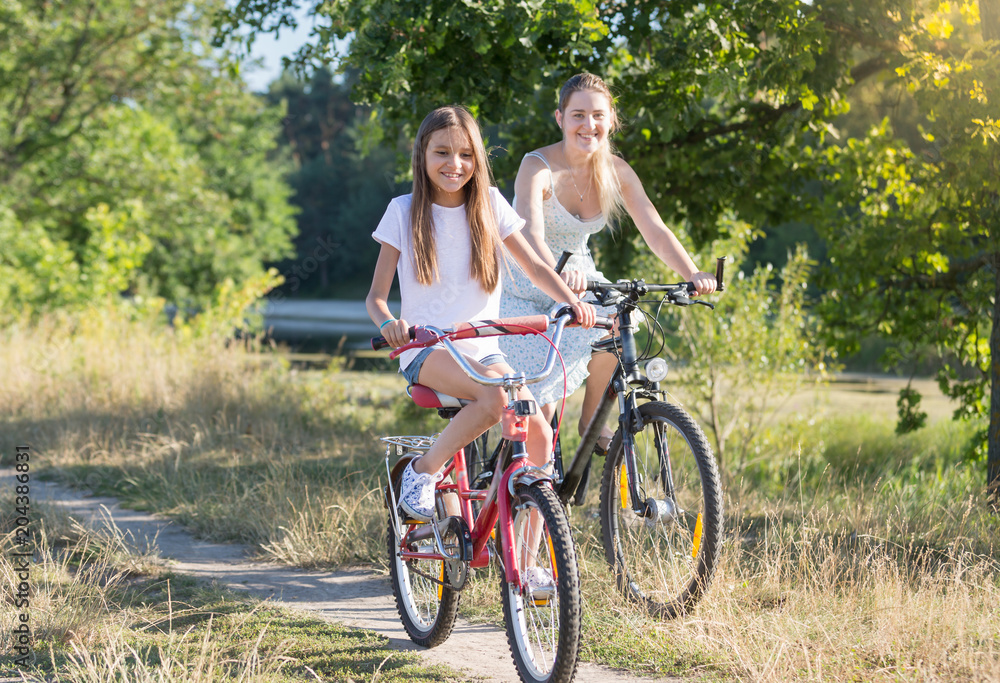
pixel 665 555
pixel 426 606
pixel 543 631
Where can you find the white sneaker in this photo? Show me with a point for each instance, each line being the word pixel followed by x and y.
pixel 539 583
pixel 416 493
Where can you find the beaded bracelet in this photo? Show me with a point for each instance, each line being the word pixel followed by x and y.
pixel 390 320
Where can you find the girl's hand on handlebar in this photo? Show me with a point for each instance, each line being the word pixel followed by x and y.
pixel 575 280
pixel 396 333
pixel 704 282
pixel 585 314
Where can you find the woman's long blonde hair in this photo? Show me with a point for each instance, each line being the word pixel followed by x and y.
pixel 609 186
pixel 485 265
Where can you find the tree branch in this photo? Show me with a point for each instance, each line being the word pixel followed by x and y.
pixel 767 116
pixel 946 280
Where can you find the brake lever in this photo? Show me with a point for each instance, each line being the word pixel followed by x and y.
pixel 608 297
pixel 683 300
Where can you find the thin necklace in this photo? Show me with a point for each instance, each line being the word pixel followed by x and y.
pixel 572 177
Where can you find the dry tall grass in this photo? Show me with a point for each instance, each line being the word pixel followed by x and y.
pixel 237 446
pixel 854 557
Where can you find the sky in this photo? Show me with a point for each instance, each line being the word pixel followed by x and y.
pixel 270 50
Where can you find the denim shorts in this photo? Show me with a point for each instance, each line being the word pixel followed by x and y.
pixel 412 371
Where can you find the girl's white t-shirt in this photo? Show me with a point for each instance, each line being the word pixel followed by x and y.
pixel 455 296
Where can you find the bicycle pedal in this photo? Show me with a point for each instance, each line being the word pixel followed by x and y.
pixel 405 518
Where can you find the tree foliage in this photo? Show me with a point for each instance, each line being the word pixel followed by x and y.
pixel 743 361
pixel 913 221
pixel 131 158
pixel 341 194
pixel 718 97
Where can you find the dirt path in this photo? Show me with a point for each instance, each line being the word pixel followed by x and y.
pixel 354 597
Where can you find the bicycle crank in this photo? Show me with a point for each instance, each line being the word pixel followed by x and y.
pixel 458 540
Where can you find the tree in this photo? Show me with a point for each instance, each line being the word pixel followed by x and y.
pixel 915 236
pixel 744 360
pixel 131 158
pixel 341 193
pixel 732 110
pixel 719 97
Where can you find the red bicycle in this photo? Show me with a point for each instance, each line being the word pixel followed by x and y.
pixel 430 562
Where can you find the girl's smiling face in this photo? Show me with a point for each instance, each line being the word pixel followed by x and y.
pixel 450 162
pixel 586 120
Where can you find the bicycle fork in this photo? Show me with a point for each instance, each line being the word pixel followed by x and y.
pixel 650 508
pixel 519 472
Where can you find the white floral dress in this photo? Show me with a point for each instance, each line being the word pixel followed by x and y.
pixel 563 232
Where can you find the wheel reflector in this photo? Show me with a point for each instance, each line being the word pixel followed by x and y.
pixel 552 558
pixel 623 488
pixel 697 536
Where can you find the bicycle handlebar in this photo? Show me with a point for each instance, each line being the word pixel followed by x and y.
pixel 501 326
pixel 676 293
pixel 425 336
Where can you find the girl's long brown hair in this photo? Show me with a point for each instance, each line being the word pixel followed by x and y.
pixel 485 265
pixel 609 187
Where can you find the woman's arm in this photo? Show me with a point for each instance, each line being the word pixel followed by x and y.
pixel 377 302
pixel 544 277
pixel 658 236
pixel 530 186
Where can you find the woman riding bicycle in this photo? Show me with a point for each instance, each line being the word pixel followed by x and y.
pixel 561 217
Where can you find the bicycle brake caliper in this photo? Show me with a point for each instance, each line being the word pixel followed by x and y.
pixel 635 419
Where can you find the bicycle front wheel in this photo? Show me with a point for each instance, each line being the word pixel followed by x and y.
pixel 427 606
pixel 543 616
pixel 665 552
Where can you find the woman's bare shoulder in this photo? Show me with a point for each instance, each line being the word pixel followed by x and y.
pixel 626 174
pixel 538 159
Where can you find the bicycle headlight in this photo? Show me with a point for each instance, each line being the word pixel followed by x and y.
pixel 656 370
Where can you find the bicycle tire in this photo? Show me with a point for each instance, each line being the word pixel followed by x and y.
pixel 543 633
pixel 666 565
pixel 427 610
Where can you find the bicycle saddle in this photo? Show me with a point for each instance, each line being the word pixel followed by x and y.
pixel 425 397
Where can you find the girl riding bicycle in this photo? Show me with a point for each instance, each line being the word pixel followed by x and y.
pixel 450 231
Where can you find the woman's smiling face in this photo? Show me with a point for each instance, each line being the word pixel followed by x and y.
pixel 585 121
pixel 450 162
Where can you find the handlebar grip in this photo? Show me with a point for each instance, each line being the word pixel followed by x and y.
pixel 563 259
pixel 720 266
pixel 604 323
pixel 379 343
pixel 492 328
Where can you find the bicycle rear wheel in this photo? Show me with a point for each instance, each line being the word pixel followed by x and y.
pixel 663 557
pixel 427 606
pixel 478 459
pixel 543 626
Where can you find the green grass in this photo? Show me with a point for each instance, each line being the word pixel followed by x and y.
pixel 851 553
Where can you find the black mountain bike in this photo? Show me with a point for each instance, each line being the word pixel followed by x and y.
pixel 661 500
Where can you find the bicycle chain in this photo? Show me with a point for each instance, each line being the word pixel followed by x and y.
pixel 432 579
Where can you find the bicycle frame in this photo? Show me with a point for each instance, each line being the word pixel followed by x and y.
pixel 616 394
pixel 495 507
